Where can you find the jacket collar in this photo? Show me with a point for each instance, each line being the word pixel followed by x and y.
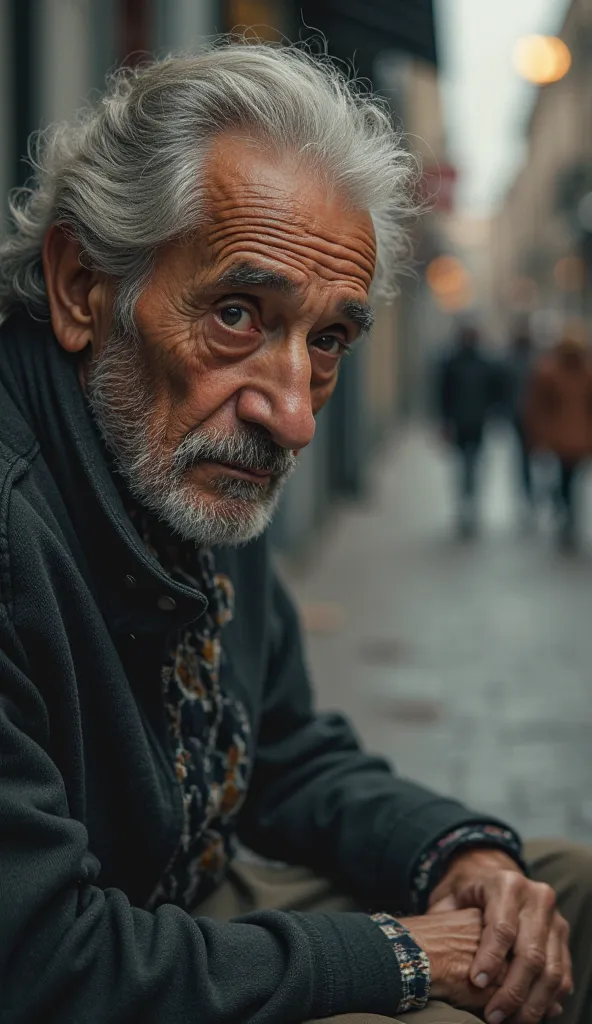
pixel 45 404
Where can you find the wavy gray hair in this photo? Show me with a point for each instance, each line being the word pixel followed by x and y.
pixel 124 175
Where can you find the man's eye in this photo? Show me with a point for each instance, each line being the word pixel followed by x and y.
pixel 332 344
pixel 236 316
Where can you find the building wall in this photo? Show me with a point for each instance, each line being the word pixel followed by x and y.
pixel 424 112
pixel 382 369
pixel 6 105
pixel 418 324
pixel 531 233
pixel 49 62
pixel 63 46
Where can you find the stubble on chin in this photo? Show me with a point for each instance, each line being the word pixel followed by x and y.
pixel 125 408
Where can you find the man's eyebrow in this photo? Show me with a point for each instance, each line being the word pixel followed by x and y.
pixel 250 275
pixel 360 313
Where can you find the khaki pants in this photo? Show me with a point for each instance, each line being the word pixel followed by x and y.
pixel 565 866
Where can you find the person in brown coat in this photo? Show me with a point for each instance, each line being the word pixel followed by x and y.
pixel 559 415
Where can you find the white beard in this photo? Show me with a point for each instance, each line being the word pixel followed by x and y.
pixel 122 404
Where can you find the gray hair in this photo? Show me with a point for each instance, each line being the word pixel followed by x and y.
pixel 124 177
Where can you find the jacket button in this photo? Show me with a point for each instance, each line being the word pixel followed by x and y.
pixel 166 603
pixel 130 582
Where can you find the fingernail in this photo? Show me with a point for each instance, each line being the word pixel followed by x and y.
pixel 556 1010
pixel 482 980
pixel 496 1017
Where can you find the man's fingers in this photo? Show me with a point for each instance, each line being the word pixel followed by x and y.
pixel 537 970
pixel 499 936
pixel 547 991
pixel 567 983
pixel 555 1011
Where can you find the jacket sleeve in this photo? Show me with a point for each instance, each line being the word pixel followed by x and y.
pixel 71 951
pixel 318 799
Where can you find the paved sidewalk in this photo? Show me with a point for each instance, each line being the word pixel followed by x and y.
pixel 469 665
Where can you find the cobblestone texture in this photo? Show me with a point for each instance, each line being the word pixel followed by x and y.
pixel 468 665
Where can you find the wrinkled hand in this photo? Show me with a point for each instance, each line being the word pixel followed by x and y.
pixel 451 940
pixel 522 926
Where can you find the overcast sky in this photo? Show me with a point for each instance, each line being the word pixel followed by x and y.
pixel 486 103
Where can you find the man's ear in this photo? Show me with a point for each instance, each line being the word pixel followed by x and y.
pixel 71 291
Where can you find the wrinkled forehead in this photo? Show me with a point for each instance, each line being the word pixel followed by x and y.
pixel 284 211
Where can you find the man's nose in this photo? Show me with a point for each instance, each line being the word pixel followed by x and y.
pixel 279 398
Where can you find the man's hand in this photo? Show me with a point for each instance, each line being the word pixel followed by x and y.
pixel 450 940
pixel 522 930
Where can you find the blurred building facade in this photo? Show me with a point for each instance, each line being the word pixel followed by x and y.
pixel 54 53
pixel 541 251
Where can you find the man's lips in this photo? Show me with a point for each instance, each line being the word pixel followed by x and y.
pixel 261 476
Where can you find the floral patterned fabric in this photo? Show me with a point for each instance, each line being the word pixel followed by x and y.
pixel 433 864
pixel 209 730
pixel 413 963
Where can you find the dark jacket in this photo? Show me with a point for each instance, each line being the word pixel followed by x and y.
pixel 90 807
pixel 468 389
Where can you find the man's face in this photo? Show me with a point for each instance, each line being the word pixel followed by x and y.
pixel 240 334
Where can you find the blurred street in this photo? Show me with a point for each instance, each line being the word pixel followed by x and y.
pixel 466 664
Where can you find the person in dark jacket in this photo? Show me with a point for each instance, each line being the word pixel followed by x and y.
pixel 468 390
pixel 191 263
pixel 518 370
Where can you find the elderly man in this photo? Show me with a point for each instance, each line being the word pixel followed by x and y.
pixel 191 264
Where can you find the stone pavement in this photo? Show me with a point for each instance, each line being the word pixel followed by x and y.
pixel 469 665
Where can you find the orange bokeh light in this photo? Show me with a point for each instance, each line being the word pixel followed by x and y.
pixel 450 283
pixel 446 274
pixel 542 59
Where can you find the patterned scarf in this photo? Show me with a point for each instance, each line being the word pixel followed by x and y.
pixel 209 730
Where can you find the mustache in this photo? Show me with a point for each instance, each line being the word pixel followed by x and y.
pixel 247 449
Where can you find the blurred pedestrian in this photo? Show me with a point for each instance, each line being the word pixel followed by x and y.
pixel 559 417
pixel 518 369
pixel 468 389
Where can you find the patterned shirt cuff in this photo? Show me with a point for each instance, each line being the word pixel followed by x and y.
pixel 413 963
pixel 432 864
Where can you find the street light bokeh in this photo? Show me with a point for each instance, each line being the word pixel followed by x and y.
pixel 542 60
pixel 450 283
